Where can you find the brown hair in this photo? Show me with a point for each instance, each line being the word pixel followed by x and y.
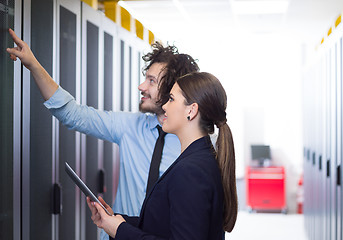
pixel 206 90
pixel 177 65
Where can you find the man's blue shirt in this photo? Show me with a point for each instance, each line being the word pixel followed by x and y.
pixel 135 133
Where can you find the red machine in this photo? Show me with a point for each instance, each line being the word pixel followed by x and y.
pixel 266 189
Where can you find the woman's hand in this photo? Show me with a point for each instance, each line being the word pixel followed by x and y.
pixel 100 218
pixel 22 51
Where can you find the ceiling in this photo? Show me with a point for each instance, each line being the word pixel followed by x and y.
pixel 307 20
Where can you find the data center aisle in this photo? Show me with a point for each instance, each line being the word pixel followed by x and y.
pixel 268 226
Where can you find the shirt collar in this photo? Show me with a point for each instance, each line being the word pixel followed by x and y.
pixel 153 121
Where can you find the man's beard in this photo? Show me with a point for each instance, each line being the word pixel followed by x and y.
pixel 156 109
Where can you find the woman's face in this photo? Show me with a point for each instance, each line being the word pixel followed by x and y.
pixel 176 112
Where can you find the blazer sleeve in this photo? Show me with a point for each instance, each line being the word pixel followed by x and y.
pixel 126 231
pixel 190 197
pixel 131 220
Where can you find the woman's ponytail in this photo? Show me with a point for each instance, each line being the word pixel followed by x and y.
pixel 226 161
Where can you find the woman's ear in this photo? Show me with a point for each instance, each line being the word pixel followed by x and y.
pixel 193 110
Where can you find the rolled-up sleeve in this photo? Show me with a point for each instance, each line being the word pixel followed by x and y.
pixel 60 98
pixel 85 119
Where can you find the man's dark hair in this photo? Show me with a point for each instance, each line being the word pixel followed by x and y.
pixel 177 65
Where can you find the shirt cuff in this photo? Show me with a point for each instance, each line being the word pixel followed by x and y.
pixel 60 98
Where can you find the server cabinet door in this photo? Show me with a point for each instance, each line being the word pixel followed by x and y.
pixel 332 142
pixel 317 138
pixel 10 125
pixel 125 62
pixel 321 159
pixel 125 94
pixel 139 74
pixel 111 150
pixel 68 141
pixel 327 147
pixel 131 48
pixel 339 138
pixel 109 156
pixel 140 48
pixel 323 147
pixel 92 148
pixel 91 158
pixel 37 136
pixel 135 79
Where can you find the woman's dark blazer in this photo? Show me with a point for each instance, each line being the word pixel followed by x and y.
pixel 185 203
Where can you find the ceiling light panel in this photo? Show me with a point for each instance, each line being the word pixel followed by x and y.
pixel 259 7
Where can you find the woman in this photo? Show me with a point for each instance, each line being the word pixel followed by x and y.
pixel 196 197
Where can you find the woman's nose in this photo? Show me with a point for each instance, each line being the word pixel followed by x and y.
pixel 164 106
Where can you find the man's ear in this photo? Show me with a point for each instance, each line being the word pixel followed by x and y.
pixel 193 110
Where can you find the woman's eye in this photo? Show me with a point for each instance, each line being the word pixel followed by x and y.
pixel 171 99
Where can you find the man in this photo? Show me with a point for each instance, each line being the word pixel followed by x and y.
pixel 135 133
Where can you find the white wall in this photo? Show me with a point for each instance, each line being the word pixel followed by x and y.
pixel 262 78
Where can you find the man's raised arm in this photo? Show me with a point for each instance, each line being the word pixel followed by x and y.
pixel 46 85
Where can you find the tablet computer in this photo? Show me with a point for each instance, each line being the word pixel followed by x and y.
pixel 83 186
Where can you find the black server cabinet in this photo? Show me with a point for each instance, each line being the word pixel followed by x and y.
pixel 323 197
pixel 139 73
pixel 108 106
pixel 99 158
pixel 339 138
pixel 111 99
pixel 130 79
pixel 91 158
pixel 122 74
pixel 332 142
pixel 67 34
pixel 39 172
pixel 6 118
pixel 126 67
pixel 321 172
pixel 327 150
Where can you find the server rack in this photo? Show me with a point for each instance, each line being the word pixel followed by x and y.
pixel 130 63
pixel 110 163
pixel 323 139
pixel 91 79
pixel 125 74
pixel 100 160
pixel 67 43
pixel 139 48
pixel 332 141
pixel 42 202
pixel 37 130
pixel 321 159
pixel 10 130
pixel 109 80
pixel 338 137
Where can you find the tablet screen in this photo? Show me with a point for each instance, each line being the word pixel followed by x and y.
pixel 83 186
